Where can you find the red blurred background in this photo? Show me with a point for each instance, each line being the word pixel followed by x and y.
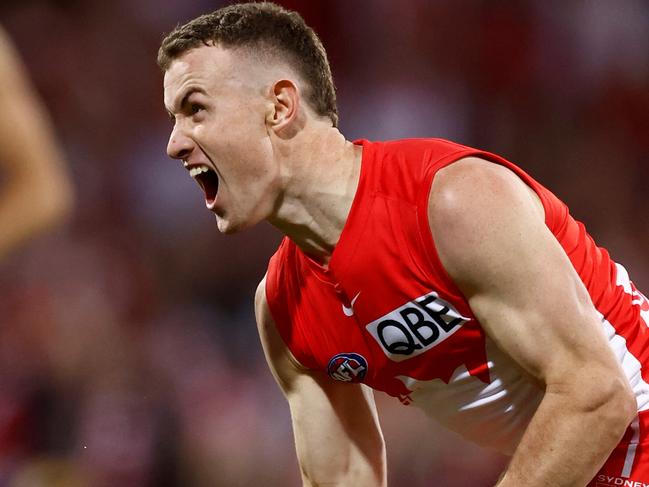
pixel 128 350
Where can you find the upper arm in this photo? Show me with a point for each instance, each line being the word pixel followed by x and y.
pixel 336 428
pixel 491 236
pixel 30 159
pixel 27 144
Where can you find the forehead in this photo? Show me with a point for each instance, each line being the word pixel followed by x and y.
pixel 206 67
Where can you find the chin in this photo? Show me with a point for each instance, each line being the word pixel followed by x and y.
pixel 225 227
pixel 228 227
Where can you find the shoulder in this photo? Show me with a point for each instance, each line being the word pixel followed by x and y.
pixel 262 311
pixel 477 209
pixel 473 172
pixel 260 295
pixel 474 189
pixel 265 322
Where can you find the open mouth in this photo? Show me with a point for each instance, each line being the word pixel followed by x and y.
pixel 208 180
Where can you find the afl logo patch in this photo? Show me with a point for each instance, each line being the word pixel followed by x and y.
pixel 347 367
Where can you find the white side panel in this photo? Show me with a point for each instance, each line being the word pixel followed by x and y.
pixel 493 415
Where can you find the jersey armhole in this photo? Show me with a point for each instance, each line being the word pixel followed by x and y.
pixel 277 306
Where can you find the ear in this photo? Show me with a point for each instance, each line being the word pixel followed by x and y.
pixel 286 102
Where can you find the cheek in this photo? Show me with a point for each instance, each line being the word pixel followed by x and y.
pixel 200 131
pixel 214 140
pixel 249 121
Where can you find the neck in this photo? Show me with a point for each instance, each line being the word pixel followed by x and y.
pixel 320 174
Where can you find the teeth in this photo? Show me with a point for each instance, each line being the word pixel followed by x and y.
pixel 195 171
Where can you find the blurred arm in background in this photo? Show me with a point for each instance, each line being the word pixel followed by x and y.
pixel 36 192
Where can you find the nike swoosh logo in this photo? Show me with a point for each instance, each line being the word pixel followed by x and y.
pixel 350 311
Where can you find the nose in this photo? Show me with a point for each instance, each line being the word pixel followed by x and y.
pixel 179 145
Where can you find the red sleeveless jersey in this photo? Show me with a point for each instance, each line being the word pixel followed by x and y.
pixel 386 313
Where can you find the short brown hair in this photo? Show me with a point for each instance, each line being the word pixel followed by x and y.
pixel 261 24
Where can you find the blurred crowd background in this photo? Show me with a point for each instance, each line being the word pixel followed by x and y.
pixel 128 348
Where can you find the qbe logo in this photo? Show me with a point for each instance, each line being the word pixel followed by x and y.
pixel 416 326
pixel 347 367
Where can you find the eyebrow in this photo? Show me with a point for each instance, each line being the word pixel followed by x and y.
pixel 185 97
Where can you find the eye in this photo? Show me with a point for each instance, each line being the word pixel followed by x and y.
pixel 195 108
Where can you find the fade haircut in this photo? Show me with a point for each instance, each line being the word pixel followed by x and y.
pixel 264 26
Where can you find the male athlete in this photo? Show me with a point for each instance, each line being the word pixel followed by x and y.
pixel 35 192
pixel 440 274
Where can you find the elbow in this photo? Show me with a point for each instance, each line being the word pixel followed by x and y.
pixel 617 407
pixel 374 476
pixel 355 471
pixel 62 207
pixel 57 205
pixel 602 399
pixel 627 403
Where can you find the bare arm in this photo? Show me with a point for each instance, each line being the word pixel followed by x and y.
pixel 36 192
pixel 336 428
pixel 490 233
